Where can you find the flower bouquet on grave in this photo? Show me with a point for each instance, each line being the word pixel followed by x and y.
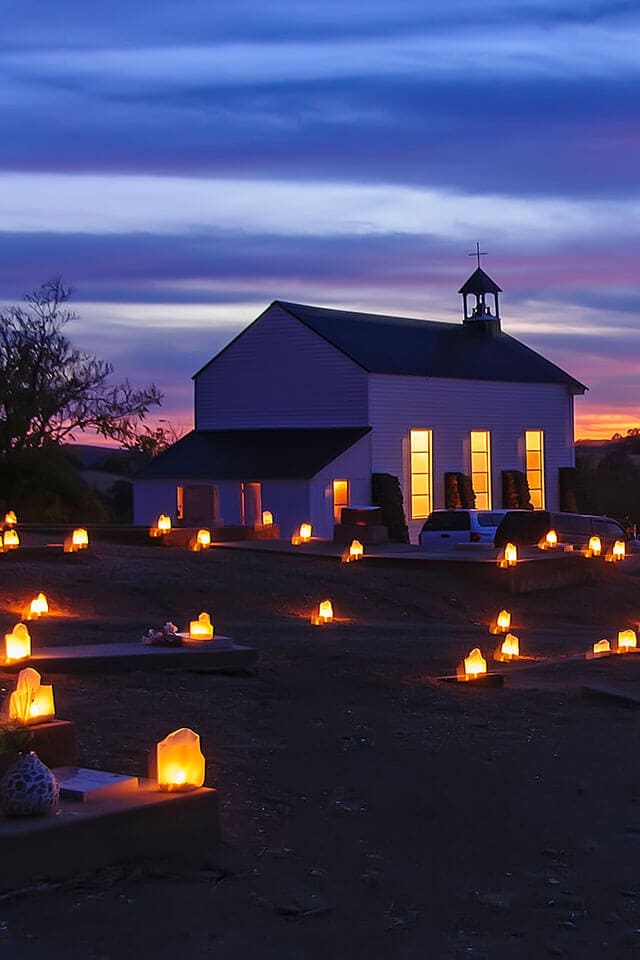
pixel 165 636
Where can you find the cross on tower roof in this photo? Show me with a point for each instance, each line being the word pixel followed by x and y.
pixel 478 253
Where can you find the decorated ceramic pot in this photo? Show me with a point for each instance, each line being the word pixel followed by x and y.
pixel 28 788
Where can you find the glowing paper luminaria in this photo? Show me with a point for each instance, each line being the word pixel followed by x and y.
pixel 324 614
pixel 619 550
pixel 164 523
pixel 202 628
pixel 267 518
pixel 17 644
pixel 203 539
pixel 356 550
pixel 551 539
pixel 602 646
pixel 39 606
pixel 510 648
pixel 180 761
pixel 10 519
pixel 595 546
pixel 31 701
pixel 509 556
pixel 305 532
pixel 627 641
pixel 502 622
pixel 80 538
pixel 325 611
pixel 474 664
pixel 11 540
pixel 43 706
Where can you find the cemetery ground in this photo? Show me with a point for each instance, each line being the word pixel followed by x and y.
pixel 366 809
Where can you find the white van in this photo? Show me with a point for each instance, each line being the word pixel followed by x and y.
pixel 446 528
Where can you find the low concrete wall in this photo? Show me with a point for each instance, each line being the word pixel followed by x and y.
pixel 544 573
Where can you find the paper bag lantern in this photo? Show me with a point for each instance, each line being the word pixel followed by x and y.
pixel 475 664
pixel 510 648
pixel 201 629
pixel 11 540
pixel 595 546
pixel 323 614
pixel 31 701
pixel 267 518
pixel 502 622
pixel 80 539
pixel 305 532
pixel 356 550
pixel 38 606
pixel 619 550
pixel 180 761
pixel 510 554
pixel 77 540
pixel 627 641
pixel 43 706
pixel 601 647
pixel 164 523
pixel 17 644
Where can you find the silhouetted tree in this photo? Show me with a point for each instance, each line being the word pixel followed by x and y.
pixel 48 389
pixel 611 486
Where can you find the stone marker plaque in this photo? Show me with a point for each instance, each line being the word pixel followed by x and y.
pixel 80 783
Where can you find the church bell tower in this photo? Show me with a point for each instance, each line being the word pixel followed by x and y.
pixel 480 299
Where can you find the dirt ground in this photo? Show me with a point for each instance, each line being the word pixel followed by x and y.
pixel 367 810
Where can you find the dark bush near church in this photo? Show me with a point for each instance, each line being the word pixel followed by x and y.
pixel 387 494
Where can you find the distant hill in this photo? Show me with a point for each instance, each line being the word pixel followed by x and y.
pixel 90 455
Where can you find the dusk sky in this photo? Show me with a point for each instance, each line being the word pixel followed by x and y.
pixel 183 164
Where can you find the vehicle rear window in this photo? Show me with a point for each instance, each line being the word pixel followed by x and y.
pixel 575 525
pixel 489 519
pixel 448 520
pixel 522 528
pixel 609 529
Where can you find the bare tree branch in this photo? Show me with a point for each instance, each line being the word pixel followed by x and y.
pixel 49 390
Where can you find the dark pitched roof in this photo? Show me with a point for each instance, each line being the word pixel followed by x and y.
pixel 429 348
pixel 480 282
pixel 270 454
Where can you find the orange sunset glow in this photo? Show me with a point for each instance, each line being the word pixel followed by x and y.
pixel 600 423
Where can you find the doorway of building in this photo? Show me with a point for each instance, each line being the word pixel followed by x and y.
pixel 340 498
pixel 250 504
pixel 198 506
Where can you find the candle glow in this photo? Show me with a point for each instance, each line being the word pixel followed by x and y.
pixel 17 644
pixel 180 763
pixel 201 629
pixel 475 664
pixel 627 641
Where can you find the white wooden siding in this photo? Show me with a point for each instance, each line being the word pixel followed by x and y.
pixel 452 409
pixel 353 465
pixel 288 501
pixel 153 497
pixel 279 373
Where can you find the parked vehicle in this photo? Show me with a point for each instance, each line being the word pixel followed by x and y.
pixel 446 528
pixel 529 527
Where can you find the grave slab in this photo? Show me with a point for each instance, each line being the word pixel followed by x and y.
pixel 80 783
pixel 627 695
pixel 81 837
pixel 483 680
pixel 218 655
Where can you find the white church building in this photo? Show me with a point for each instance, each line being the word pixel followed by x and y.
pixel 298 412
